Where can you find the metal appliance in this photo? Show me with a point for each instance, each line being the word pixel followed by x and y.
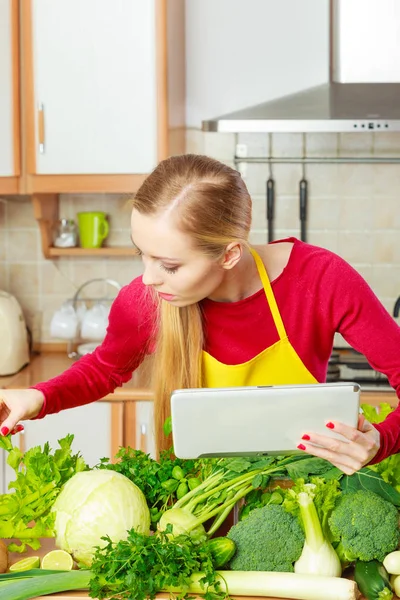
pixel 346 365
pixel 364 88
pixel 14 346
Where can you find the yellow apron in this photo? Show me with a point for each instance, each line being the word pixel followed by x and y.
pixel 277 365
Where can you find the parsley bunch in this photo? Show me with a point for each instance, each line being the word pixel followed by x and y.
pixel 25 514
pixel 141 566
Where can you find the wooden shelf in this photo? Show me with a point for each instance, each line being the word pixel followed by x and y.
pixel 45 208
pixel 115 251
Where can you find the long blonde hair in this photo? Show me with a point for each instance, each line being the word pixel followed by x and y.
pixel 211 204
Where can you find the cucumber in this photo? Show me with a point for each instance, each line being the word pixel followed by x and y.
pixel 222 550
pixel 373 580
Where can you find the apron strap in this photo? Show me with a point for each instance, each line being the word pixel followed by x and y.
pixel 276 315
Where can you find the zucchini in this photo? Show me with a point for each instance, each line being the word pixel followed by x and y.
pixel 373 580
pixel 222 550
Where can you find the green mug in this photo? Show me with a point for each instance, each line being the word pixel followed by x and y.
pixel 93 229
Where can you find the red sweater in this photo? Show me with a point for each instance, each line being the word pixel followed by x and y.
pixel 317 293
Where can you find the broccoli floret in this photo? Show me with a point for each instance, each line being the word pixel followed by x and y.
pixel 365 525
pixel 269 539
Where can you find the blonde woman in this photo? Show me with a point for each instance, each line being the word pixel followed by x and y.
pixel 217 312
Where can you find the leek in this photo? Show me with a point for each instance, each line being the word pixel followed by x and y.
pixel 35 586
pixel 278 585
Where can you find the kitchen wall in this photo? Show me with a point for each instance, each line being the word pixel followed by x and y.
pixel 354 210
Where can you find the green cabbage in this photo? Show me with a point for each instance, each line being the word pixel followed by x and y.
pixel 93 504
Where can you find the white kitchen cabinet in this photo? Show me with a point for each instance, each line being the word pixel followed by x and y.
pixel 9 108
pixel 94 86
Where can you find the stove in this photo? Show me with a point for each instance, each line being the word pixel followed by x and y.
pixel 346 364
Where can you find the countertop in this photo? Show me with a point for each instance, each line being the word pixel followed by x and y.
pixel 46 365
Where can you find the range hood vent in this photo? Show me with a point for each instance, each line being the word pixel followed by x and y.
pixel 332 107
pixel 364 50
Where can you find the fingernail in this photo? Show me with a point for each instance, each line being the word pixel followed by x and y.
pixel 19 428
pixel 4 431
pixel 301 447
pixel 330 425
pixel 305 436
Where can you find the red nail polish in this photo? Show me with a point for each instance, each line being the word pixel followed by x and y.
pixel 330 425
pixel 301 447
pixel 19 428
pixel 4 431
pixel 305 436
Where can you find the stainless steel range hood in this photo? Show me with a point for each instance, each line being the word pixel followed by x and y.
pixel 350 104
pixel 334 107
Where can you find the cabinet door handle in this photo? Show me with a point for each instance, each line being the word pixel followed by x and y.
pixel 143 437
pixel 41 128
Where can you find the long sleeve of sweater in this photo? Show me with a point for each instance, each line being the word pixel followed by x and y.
pixel 113 362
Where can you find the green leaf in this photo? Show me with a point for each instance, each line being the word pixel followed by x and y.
pixel 308 467
pixel 167 427
pixel 367 479
pixel 376 414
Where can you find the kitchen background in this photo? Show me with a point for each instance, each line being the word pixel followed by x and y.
pixel 94 93
pixel 354 210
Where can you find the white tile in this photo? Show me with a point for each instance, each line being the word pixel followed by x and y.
pixel 288 144
pixel 323 239
pixel 322 144
pixel 356 214
pixel 194 141
pixel 355 247
pixel 360 144
pixel 387 144
pixel 323 213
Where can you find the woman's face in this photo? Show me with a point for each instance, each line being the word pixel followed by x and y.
pixel 175 270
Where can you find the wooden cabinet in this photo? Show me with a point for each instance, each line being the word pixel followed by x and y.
pixel 96 93
pixel 94 86
pixel 102 89
pixel 9 98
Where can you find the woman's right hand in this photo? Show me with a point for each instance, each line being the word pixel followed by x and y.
pixel 17 405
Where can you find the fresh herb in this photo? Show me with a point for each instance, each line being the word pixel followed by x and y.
pixel 25 514
pixel 141 566
pixel 162 482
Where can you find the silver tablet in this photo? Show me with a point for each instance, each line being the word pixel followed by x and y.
pixel 258 420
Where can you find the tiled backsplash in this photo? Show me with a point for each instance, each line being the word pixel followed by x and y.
pixel 354 210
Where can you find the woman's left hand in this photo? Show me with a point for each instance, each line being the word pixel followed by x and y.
pixel 350 456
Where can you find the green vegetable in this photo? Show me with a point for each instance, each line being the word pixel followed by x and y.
pixel 367 479
pixel 279 585
pixel 365 526
pixel 222 550
pixel 40 474
pixel 389 468
pixel 140 566
pixel 177 472
pixel 392 562
pixel 373 580
pixel 158 480
pixel 94 504
pixel 318 556
pixel 33 587
pixel 229 481
pixel 269 539
pixel 238 583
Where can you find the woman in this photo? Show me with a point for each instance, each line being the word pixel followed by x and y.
pixel 206 308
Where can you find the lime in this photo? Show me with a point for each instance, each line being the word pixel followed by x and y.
pixel 57 560
pixel 31 562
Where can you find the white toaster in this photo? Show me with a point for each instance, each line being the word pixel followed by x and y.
pixel 14 345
